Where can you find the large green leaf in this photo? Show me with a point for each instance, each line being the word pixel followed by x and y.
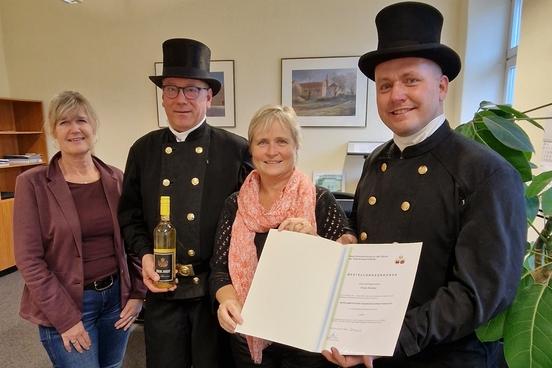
pixel 492 330
pixel 487 105
pixel 466 129
pixel 507 132
pixel 519 115
pixel 528 328
pixel 516 158
pixel 531 208
pixel 539 183
pixel 546 203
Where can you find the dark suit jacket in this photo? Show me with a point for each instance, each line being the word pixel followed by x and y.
pixel 48 245
pixel 198 174
pixel 466 204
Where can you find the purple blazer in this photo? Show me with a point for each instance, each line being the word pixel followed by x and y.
pixel 48 245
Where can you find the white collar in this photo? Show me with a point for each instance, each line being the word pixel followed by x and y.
pixel 421 135
pixel 181 136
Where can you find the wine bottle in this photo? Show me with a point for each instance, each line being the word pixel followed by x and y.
pixel 164 246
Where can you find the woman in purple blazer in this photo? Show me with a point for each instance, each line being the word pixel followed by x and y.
pixel 81 288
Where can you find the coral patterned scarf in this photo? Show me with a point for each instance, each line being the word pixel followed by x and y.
pixel 298 199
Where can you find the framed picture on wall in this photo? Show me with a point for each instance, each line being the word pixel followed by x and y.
pixel 222 112
pixel 325 92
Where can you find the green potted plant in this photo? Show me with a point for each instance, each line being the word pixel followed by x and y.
pixel 526 326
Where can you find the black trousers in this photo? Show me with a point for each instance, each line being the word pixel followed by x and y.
pixel 182 333
pixel 276 356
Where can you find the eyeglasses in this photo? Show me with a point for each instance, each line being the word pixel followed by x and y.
pixel 190 92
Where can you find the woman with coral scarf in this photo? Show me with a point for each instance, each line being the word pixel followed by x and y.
pixel 274 196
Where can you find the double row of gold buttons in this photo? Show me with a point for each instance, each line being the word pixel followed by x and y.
pixel 405 206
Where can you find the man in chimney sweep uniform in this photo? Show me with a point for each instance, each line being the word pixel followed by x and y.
pixel 430 184
pixel 198 166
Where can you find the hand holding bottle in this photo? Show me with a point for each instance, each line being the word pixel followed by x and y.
pixel 150 277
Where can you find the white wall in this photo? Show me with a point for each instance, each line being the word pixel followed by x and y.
pixel 534 61
pixel 487 27
pixel 106 50
pixel 4 84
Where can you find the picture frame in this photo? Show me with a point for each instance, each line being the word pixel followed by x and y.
pixel 222 112
pixel 325 91
pixel 333 181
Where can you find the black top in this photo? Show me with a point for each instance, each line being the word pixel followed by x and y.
pixel 330 224
pixel 466 204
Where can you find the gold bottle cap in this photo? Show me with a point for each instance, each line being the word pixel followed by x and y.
pixel 165 206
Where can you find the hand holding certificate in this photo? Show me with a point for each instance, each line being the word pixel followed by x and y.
pixel 314 294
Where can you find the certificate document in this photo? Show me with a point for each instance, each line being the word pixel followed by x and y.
pixel 313 293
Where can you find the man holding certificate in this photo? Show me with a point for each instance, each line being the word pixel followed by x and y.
pixel 429 184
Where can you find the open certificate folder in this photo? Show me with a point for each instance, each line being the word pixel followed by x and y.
pixel 313 293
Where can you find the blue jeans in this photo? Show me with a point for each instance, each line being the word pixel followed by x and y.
pixel 101 310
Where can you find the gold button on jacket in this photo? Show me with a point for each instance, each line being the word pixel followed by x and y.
pixel 168 150
pixel 190 217
pixel 195 181
pixel 363 236
pixel 422 170
pixel 166 182
pixel 191 252
pixel 372 200
pixel 199 150
pixel 405 206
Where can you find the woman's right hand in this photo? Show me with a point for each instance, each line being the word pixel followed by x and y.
pixel 77 337
pixel 229 315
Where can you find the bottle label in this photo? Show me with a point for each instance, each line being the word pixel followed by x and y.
pixel 164 265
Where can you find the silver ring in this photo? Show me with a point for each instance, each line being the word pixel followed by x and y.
pixel 73 341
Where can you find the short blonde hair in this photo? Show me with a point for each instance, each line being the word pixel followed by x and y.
pixel 69 102
pixel 267 115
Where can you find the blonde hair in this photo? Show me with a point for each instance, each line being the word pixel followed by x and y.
pixel 66 103
pixel 267 115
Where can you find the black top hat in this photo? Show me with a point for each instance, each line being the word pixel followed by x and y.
pixel 410 29
pixel 185 58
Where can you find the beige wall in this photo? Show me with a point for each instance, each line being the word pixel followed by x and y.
pixel 106 50
pixel 533 82
pixel 4 85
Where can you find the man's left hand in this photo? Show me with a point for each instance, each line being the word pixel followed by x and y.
pixel 129 314
pixel 348 360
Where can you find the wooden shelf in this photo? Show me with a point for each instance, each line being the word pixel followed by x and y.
pixel 14 132
pixel 21 131
pixel 18 166
pixel 7 259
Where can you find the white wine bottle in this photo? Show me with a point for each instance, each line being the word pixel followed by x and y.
pixel 164 246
